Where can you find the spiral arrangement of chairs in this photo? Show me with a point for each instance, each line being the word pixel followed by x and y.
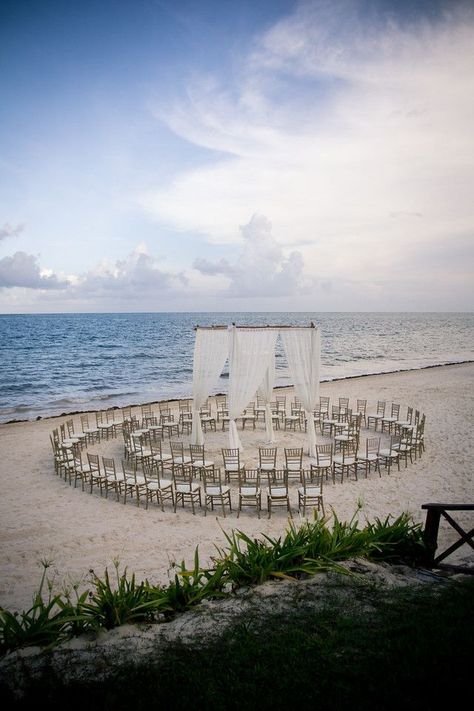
pixel 187 476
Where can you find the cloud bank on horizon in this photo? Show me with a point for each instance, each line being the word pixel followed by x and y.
pixel 326 164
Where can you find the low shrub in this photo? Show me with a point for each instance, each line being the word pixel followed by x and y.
pixel 302 551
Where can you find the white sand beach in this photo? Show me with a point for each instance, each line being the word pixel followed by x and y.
pixel 43 517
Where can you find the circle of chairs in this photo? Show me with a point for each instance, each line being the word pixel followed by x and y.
pixel 186 476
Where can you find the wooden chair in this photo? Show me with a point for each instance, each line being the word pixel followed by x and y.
pixel 310 493
pixel 249 415
pixel 388 423
pixel 419 438
pixel 72 435
pixel 267 460
pixel 208 421
pixel 153 426
pixel 159 461
pixel 134 484
pixel 96 475
pixel 113 479
pixel 294 462
pixel 376 418
pixel 185 488
pixel 260 408
pixel 232 465
pixel 331 424
pixel 281 404
pixel 179 461
pixel 361 409
pixel 57 456
pixel 405 448
pixel 110 419
pixel 143 452
pixel 277 492
pixel 106 429
pixel 250 493
pixel 323 464
pixel 295 419
pixel 401 425
pixel 91 433
pixel 126 414
pixel 67 441
pixel 276 419
pixel 146 411
pixel 215 492
pixel 80 468
pixel 349 435
pixel 186 422
pixel 345 462
pixel 128 443
pixel 391 455
pixel 222 409
pixel 158 486
pixel 170 427
pixel 324 406
pixel 199 463
pixel 371 456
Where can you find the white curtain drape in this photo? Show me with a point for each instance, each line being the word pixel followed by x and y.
pixel 266 392
pixel 302 347
pixel 211 349
pixel 249 357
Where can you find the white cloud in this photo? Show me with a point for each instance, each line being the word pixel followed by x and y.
pixel 23 270
pixel 135 279
pixel 9 231
pixel 261 269
pixel 139 275
pixel 354 136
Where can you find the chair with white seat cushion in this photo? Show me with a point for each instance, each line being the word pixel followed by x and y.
pixel 113 479
pixel 277 492
pixel 215 492
pixel 391 455
pixel 267 460
pixel 322 465
pixel 294 462
pixel 157 486
pixel 250 493
pixel 199 463
pixel 371 456
pixel 310 493
pixel 134 483
pixel 185 488
pixel 232 465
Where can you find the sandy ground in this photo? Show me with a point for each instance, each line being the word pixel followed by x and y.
pixel 43 517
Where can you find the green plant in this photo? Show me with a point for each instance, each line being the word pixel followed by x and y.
pixel 305 550
pixel 45 623
pixel 401 540
pixel 189 587
pixel 126 602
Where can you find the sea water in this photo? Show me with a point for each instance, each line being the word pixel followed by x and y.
pixel 56 363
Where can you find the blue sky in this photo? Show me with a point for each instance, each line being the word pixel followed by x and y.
pixel 277 155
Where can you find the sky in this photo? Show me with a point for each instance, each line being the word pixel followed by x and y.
pixel 217 155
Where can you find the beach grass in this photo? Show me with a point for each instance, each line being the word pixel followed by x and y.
pixel 311 548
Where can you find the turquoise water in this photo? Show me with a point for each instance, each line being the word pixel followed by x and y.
pixel 56 363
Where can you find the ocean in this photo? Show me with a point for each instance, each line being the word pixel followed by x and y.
pixel 52 364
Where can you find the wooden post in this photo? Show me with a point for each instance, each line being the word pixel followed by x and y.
pixel 431 533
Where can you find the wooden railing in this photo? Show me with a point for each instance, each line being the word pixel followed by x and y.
pixel 433 516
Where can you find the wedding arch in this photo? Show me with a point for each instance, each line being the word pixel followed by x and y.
pixel 250 351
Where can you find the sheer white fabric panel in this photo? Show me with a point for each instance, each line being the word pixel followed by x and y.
pixel 266 391
pixel 249 356
pixel 211 349
pixel 302 347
